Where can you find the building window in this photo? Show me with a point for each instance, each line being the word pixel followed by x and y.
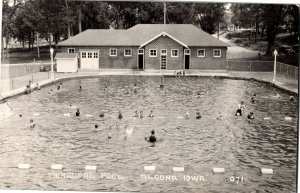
pixel 113 52
pixel 201 52
pixel 217 53
pixel 141 51
pixel 71 50
pixel 90 54
pixel 95 54
pixel 127 52
pixel 175 53
pixel 187 51
pixel 153 53
pixel 163 52
pixel 83 55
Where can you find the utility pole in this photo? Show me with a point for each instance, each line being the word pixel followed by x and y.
pixel 165 12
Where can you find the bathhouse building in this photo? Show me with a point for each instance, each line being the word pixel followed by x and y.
pixel 147 46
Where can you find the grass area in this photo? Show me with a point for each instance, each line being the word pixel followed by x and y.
pixel 23 55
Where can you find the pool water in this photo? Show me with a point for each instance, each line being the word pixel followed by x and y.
pixel 218 139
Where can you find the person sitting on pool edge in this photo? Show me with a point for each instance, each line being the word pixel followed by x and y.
pixel 152 138
pixel 77 113
pixel 198 116
pixel 250 116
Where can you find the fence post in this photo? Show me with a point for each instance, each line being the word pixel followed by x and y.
pixel 12 84
pixel 251 69
pixel 295 73
pixel 32 75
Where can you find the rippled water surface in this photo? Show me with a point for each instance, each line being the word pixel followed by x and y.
pixel 219 139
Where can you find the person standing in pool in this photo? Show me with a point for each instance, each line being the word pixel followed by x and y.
pixel 120 116
pixel 152 138
pixel 135 88
pixel 59 86
pixel 241 107
pixel 253 99
pixel 77 113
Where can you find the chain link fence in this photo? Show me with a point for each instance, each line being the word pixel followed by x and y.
pixel 263 66
pixel 287 70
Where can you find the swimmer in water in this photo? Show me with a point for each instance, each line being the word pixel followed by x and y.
pixel 141 114
pixel 187 115
pixel 32 124
pixel 198 116
pixel 151 114
pixel 101 114
pixel 120 116
pixel 77 113
pixel 20 115
pixel 152 138
pixel 80 87
pixel 51 91
pixel 59 86
pixel 136 114
pixel 238 112
pixel 96 126
pixel 109 136
pixel 135 88
pixel 250 116
pixel 253 100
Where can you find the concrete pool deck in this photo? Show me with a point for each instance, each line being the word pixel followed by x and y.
pixel 282 82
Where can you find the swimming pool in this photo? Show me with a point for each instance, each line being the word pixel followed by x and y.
pixel 217 140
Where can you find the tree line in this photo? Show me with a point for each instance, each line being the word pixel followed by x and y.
pixel 268 20
pixel 23 20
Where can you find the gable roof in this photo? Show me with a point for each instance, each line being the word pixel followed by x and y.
pixel 163 34
pixel 186 34
pixel 65 55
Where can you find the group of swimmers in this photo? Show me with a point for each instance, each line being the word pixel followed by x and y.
pixel 250 116
pixel 28 87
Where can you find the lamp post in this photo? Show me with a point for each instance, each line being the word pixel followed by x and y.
pixel 52 73
pixel 275 55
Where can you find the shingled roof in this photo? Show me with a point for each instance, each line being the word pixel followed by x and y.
pixel 138 35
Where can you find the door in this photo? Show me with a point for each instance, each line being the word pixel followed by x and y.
pixel 163 59
pixel 90 59
pixel 140 59
pixel 187 55
pixel 163 62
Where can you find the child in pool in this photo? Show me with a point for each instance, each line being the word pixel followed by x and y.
pixel 152 138
pixel 141 114
pixel 151 114
pixel 136 114
pixel 253 100
pixel 198 116
pixel 250 116
pixel 32 124
pixel 120 116
pixel 77 113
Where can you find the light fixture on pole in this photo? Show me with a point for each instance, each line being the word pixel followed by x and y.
pixel 275 55
pixel 52 73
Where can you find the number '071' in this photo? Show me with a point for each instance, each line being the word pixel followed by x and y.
pixel 236 179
